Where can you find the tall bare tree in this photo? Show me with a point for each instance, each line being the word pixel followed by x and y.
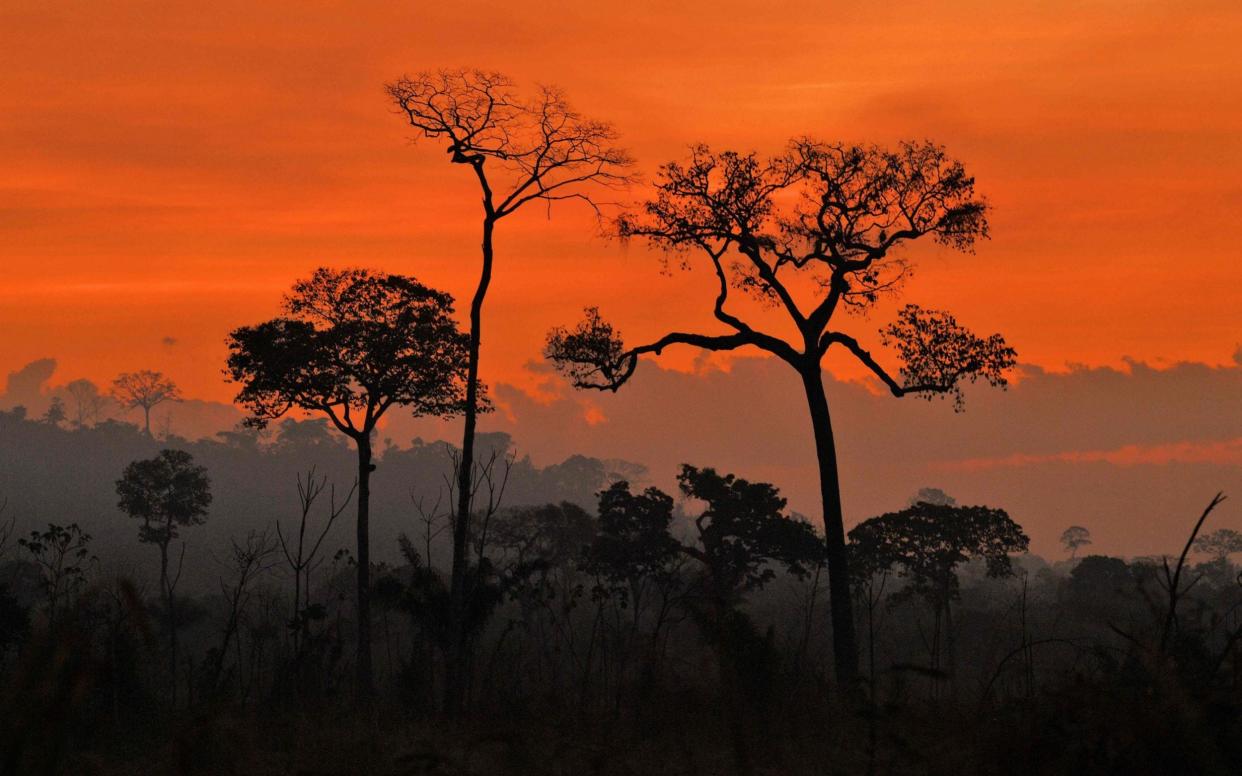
pixel 303 557
pixel 354 344
pixel 816 231
pixel 144 389
pixel 520 149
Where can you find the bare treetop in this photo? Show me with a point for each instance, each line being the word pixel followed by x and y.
pixel 812 231
pixel 549 151
pixel 145 389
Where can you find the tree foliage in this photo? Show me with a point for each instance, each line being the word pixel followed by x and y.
pixel 743 531
pixel 166 493
pixel 352 344
pixel 145 390
pixel 1220 543
pixel 926 543
pixel 1074 538
pixel 633 543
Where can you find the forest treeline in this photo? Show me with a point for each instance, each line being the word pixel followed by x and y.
pixel 64 472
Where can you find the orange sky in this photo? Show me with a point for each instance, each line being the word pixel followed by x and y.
pixel 169 168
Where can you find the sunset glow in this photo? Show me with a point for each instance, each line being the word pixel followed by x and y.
pixel 169 168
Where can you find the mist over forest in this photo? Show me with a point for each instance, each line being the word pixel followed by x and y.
pixel 1030 449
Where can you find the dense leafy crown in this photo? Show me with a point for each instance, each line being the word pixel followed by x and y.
pixel 165 492
pixel 352 344
pixel 927 542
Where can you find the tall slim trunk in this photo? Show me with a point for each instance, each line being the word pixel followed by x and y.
pixel 365 683
pixel 170 611
pixel 146 413
pixel 456 661
pixel 844 643
pixel 950 646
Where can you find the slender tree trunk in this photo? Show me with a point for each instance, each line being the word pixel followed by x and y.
pixel 950 646
pixel 365 467
pixel 146 412
pixel 844 642
pixel 166 589
pixel 456 680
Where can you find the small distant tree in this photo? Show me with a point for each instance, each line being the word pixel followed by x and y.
pixel 743 533
pixel 353 344
pixel 926 543
pixel 521 150
pixel 144 389
pixel 633 549
pixel 813 234
pixel 62 554
pixel 55 414
pixel 1219 544
pixel 88 402
pixel 1101 576
pixel 1074 538
pixel 637 562
pixel 932 496
pixel 167 493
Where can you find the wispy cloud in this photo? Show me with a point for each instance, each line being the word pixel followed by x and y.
pixel 1225 452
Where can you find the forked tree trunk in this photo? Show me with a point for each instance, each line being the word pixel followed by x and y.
pixel 457 661
pixel 844 642
pixel 365 681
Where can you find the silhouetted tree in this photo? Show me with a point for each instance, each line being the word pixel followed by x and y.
pixel 353 344
pixel 742 535
pixel 88 402
pixel 61 554
pixel 926 543
pixel 1074 537
pixel 303 556
pixel 520 150
pixel 55 414
pixel 167 493
pixel 932 496
pixel 539 553
pixel 1220 544
pixel 144 389
pixel 247 560
pixel 1101 578
pixel 633 548
pixel 637 562
pixel 816 230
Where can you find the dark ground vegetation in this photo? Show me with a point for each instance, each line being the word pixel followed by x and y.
pixel 614 628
